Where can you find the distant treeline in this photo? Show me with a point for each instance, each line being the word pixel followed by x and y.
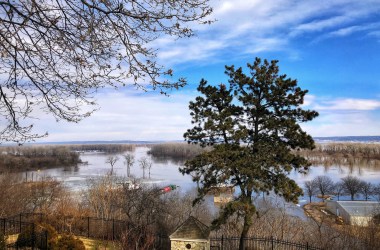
pixel 15 159
pixel 176 151
pixel 344 153
pixel 106 148
pixel 345 149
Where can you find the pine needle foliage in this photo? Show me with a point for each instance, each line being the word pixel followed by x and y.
pixel 252 125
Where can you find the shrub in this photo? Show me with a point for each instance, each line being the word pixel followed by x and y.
pixel 35 236
pixel 52 235
pixel 3 242
pixel 376 219
pixel 26 238
pixel 68 242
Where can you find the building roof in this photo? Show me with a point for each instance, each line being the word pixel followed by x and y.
pixel 191 229
pixel 360 208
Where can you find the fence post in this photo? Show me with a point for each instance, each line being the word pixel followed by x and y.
pixel 3 226
pixel 33 236
pixel 46 238
pixel 221 247
pixel 272 242
pixel 88 227
pixel 113 229
pixel 20 224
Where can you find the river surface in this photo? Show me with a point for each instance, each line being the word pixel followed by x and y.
pixel 165 172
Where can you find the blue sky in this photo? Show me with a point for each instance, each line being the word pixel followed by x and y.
pixel 331 47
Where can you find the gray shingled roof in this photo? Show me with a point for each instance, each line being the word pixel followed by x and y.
pixel 191 229
pixel 361 208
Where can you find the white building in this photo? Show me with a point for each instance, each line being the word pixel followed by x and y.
pixel 354 212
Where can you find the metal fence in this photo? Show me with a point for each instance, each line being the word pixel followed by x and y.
pixel 15 234
pixel 113 230
pixel 89 227
pixel 251 243
pixel 264 243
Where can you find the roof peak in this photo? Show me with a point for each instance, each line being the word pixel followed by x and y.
pixel 191 229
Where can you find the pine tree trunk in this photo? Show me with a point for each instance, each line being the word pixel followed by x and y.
pixel 247 219
pixel 244 233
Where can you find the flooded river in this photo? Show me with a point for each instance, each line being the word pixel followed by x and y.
pixel 165 172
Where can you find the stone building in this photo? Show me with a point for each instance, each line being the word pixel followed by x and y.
pixel 192 234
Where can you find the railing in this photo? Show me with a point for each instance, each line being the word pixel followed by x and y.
pixel 89 227
pixel 113 229
pixel 32 236
pixel 251 243
pixel 264 243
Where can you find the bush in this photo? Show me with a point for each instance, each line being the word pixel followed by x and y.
pixel 68 242
pixel 35 236
pixel 52 235
pixel 3 243
pixel 26 238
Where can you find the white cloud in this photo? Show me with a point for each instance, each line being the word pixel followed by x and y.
pixel 344 124
pixel 348 104
pixel 343 116
pixel 319 25
pixel 256 26
pixel 126 117
pixel 156 117
pixel 309 100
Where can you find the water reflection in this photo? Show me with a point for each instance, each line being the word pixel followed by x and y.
pixel 165 170
pixel 168 160
pixel 350 162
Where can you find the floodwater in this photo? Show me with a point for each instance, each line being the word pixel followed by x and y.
pixel 165 172
pixel 162 173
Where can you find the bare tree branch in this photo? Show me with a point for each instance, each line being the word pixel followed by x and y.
pixel 56 54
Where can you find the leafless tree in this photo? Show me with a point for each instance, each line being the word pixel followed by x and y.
pixel 102 196
pixel 352 185
pixel 44 194
pixel 376 192
pixel 56 54
pixel 112 161
pixel 367 189
pixel 339 189
pixel 12 195
pixel 324 184
pixel 145 163
pixel 150 164
pixel 310 188
pixel 129 160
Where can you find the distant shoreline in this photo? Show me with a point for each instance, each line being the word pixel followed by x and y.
pixel 318 139
pixel 371 139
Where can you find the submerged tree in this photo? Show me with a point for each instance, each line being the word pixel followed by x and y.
pixel 253 127
pixel 338 189
pixel 112 159
pixel 367 189
pixel 129 161
pixel 310 188
pixel 324 185
pixel 352 185
pixel 56 54
pixel 145 163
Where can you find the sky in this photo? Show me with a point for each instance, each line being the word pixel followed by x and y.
pixel 331 47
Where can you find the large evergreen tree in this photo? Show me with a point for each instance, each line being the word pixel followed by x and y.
pixel 253 126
